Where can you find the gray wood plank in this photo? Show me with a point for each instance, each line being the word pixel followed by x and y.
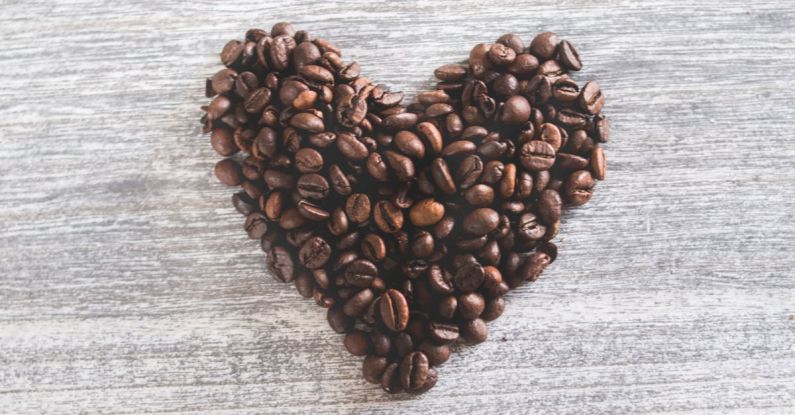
pixel 127 285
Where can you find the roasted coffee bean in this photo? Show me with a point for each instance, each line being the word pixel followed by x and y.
pixel 579 187
pixel 479 195
pixel 471 305
pixel 351 110
pixel 223 141
pixel 515 111
pixel 414 371
pixel 373 368
pixel 338 222
pixel 507 185
pixel 308 160
pixel 256 225
pixel 402 121
pixel 390 379
pixel 351 148
pixel 339 181
pixel 451 72
pixel 529 228
pixel 474 331
pixel 481 221
pixel 360 273
pixel 469 171
pixel 569 56
pixel 442 177
pixel 373 247
pixel 314 253
pixel 544 45
pixel 280 264
pixel 243 203
pixel 357 305
pixel 469 277
pixel 228 172
pixel 357 207
pixel 357 343
pixel 591 98
pixel 401 165
pixel 549 206
pixel 537 155
pixel 388 217
pixel 598 164
pixel 313 186
pixel 410 144
pixel 442 332
pixel 394 310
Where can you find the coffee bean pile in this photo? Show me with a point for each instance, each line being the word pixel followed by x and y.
pixel 408 223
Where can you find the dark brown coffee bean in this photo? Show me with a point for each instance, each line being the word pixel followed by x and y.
pixel 515 111
pixel 357 343
pixel 280 264
pixel 373 247
pixel 507 185
pixel 357 305
pixel 414 371
pixel 569 56
pixel 277 180
pixel 494 309
pixel 339 181
pixel 312 211
pixel 572 119
pixel 591 98
pixel 537 155
pixel 442 332
pixel 528 227
pixel 280 50
pixel 381 344
pixel 500 54
pixel 598 163
pixel 549 206
pixel 388 217
pixel 579 187
pixel 401 165
pixel 314 253
pixel 469 171
pixel 357 207
pixel 228 172
pixel 351 110
pixel 481 221
pixel 308 160
pixel 442 177
pixel 600 128
pixel 410 144
pixel 474 331
pixel 390 379
pixel 533 266
pixel 313 186
pixel 290 90
pixel 479 195
pixel 471 305
pixel 360 273
pixel 243 203
pixel 338 223
pixel 232 52
pixel 447 306
pixel 469 277
pixel 291 219
pixel 305 53
pixel 308 122
pixel 373 368
pixel 513 41
pixel 256 225
pixel 438 110
pixel 338 321
pixel 223 142
pixel 223 81
pixel 450 73
pixel 351 148
pixel 394 310
pixel 544 45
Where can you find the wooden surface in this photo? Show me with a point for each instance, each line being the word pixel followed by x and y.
pixel 128 286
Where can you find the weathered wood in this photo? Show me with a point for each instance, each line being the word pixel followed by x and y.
pixel 128 286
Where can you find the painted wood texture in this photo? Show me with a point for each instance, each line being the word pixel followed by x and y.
pixel 128 286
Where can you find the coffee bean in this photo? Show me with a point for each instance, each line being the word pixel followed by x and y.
pixel 291 219
pixel 357 207
pixel 243 203
pixel 256 225
pixel 537 155
pixel 228 172
pixel 314 253
pixel 351 148
pixel 401 165
pixel 308 160
pixel 515 111
pixel 402 121
pixel 313 186
pixel 471 305
pixel 598 165
pixel 591 98
pixel 450 72
pixel 442 177
pixel 360 273
pixel 579 187
pixel 544 45
pixel 442 332
pixel 357 305
pixel 373 247
pixel 394 310
pixel 388 217
pixel 390 380
pixel 280 264
pixel 414 371
pixel 351 110
pixel 529 228
pixel 339 181
pixel 338 222
pixel 357 343
pixel 481 221
pixel 469 277
pixel 474 331
pixel 373 368
pixel 500 54
pixel 549 206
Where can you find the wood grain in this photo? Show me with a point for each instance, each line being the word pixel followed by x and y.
pixel 128 286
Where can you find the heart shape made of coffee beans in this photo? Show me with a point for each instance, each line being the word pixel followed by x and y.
pixel 408 223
